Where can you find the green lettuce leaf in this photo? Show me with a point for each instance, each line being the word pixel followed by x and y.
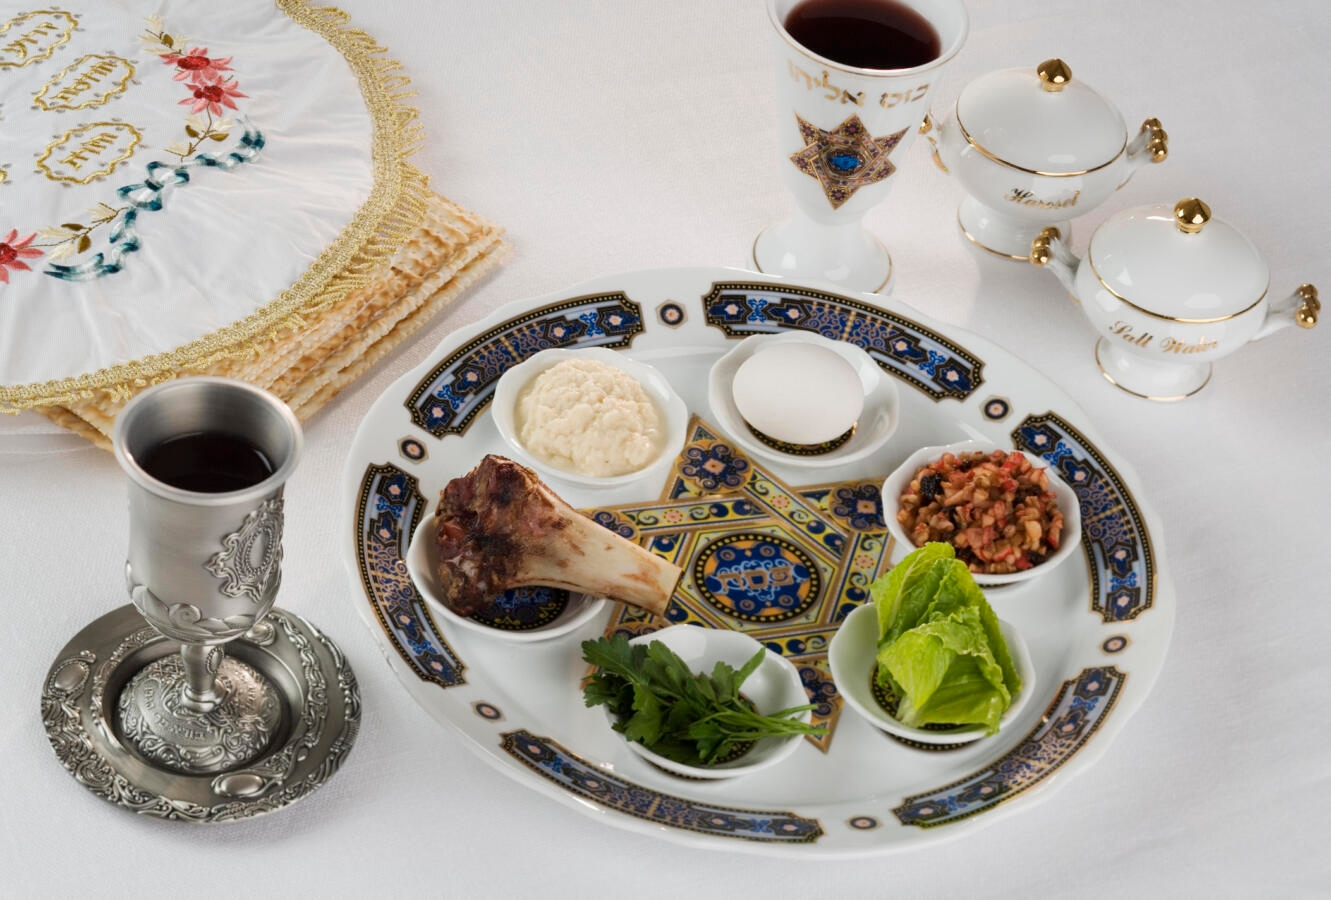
pixel 903 594
pixel 966 697
pixel 940 647
pixel 959 583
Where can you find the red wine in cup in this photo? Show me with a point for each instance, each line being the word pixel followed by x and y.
pixel 207 462
pixel 867 34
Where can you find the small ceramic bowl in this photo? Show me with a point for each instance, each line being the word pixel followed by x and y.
pixel 524 614
pixel 775 685
pixel 1066 498
pixel 875 425
pixel 853 657
pixel 674 412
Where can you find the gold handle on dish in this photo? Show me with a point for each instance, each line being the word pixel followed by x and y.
pixel 1042 250
pixel 1157 141
pixel 1306 315
pixel 927 128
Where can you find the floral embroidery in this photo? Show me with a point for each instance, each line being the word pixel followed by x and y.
pixel 211 92
pixel 213 97
pixel 146 196
pixel 196 66
pixel 74 237
pixel 13 252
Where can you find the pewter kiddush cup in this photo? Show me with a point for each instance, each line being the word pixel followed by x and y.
pixel 204 565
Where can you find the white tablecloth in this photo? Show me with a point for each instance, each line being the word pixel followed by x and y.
pixel 611 136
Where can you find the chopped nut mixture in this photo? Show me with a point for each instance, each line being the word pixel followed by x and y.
pixel 996 509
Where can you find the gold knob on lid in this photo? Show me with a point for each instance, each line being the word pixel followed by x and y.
pixel 1054 75
pixel 1190 214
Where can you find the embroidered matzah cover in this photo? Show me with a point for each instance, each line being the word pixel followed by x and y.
pixel 182 184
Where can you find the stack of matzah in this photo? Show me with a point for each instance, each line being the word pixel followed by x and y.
pixel 309 366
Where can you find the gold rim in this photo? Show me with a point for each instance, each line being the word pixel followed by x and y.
pixel 956 114
pixel 394 208
pixel 753 254
pixel 999 253
pixel 1155 315
pixel 1110 378
pixel 803 449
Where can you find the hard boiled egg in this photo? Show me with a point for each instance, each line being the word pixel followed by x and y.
pixel 798 393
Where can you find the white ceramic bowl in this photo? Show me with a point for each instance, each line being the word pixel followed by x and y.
pixel 676 415
pixel 1066 497
pixel 775 685
pixel 876 423
pixel 579 609
pixel 853 655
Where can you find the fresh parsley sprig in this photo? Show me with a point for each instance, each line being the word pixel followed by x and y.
pixel 691 718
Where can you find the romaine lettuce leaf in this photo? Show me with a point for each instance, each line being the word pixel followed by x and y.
pixel 959 583
pixel 966 697
pixel 903 593
pixel 940 648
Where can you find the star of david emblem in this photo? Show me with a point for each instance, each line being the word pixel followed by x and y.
pixel 846 158
pixel 784 565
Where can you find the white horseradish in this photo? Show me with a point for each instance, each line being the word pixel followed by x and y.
pixel 588 417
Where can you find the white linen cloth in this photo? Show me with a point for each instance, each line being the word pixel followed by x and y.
pixel 611 136
pixel 223 244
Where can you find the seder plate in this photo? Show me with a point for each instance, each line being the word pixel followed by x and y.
pixel 1098 626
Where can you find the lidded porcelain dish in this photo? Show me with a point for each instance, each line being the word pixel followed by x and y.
pixel 1171 289
pixel 1034 147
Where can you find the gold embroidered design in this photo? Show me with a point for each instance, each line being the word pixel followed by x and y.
pixel 90 81
pixel 89 152
pixel 396 207
pixel 33 37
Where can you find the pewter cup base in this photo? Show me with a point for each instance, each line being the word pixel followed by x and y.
pixel 155 720
pixel 313 688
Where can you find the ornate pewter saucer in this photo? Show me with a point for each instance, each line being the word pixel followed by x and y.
pixel 309 730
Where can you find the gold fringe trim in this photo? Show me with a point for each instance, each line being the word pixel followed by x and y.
pixel 395 208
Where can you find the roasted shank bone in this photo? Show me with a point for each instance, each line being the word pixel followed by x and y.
pixel 499 527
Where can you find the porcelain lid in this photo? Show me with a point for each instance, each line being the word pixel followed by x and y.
pixel 1178 262
pixel 1041 119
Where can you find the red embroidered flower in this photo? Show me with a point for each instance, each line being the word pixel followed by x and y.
pixel 13 252
pixel 196 66
pixel 213 97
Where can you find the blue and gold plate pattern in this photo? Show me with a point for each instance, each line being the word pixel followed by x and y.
pixel 783 554
pixel 783 565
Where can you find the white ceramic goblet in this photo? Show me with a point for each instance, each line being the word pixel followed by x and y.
pixel 843 129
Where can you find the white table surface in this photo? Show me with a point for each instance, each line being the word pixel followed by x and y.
pixel 610 136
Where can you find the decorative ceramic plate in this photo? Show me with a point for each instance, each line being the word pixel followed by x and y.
pixel 782 554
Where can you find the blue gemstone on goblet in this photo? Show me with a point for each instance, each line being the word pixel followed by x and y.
pixel 845 162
